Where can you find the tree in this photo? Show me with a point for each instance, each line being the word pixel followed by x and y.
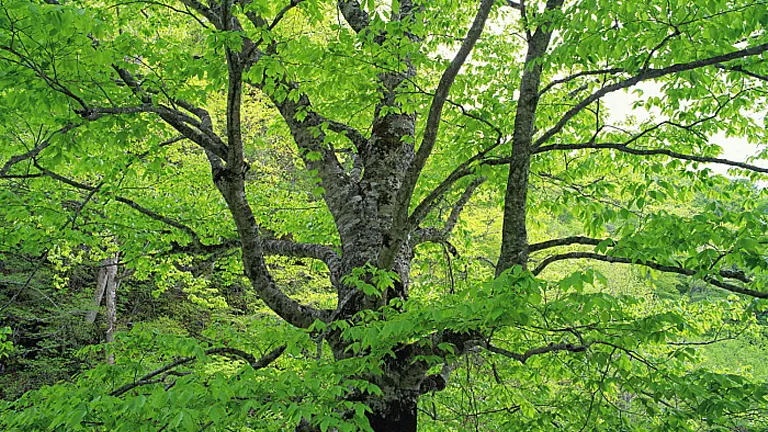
pixel 396 109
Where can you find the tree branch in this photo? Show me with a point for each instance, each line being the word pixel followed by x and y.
pixel 572 77
pixel 166 370
pixel 663 268
pixel 282 13
pixel 643 152
pixel 645 75
pixel 159 3
pixel 461 171
pixel 432 235
pixel 464 111
pixel 278 247
pixel 741 69
pixel 438 235
pixel 432 127
pixel 52 82
pixel 130 203
pixel 303 250
pixel 235 156
pixel 204 10
pixel 206 139
pixel 354 14
pixel 514 234
pixel 231 184
pixel 522 358
pixel 354 135
pixel 566 242
pixel 453 218
pixel 702 343
pixel 308 135
pixel 201 132
pixel 32 153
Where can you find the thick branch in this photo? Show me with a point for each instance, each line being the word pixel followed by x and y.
pixel 231 184
pixel 438 101
pixel 308 136
pixel 204 10
pixel 354 14
pixel 354 135
pixel 284 248
pixel 645 75
pixel 235 156
pixel 566 242
pixel 431 130
pixel 514 234
pixel 660 267
pixel 200 132
pixel 432 235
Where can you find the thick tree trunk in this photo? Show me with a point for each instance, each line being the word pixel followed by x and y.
pixel 395 415
pixel 369 204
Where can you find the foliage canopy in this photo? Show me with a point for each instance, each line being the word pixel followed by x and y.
pixel 439 215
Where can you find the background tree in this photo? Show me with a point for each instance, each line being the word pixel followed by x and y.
pixel 396 131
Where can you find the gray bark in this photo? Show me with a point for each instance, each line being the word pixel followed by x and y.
pixel 106 276
pixel 111 302
pixel 370 209
pixel 514 244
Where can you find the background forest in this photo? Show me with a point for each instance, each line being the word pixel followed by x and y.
pixel 309 215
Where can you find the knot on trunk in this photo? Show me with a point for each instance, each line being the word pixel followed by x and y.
pixel 432 383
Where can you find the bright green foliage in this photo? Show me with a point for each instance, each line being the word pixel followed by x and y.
pixel 632 334
pixel 6 346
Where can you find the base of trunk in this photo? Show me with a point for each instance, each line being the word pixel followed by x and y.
pixel 394 416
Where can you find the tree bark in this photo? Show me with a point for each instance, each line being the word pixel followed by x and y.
pixel 514 244
pixel 396 415
pixel 107 272
pixel 392 415
pixel 111 300
pixel 369 205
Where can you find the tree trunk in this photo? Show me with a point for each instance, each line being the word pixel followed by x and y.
pixel 111 300
pixel 395 415
pixel 106 283
pixel 514 243
pixel 107 271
